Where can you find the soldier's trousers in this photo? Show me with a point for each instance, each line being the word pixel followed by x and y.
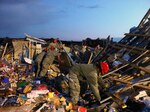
pixel 38 68
pixel 74 87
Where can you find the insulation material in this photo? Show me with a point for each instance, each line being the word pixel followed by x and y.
pixel 18 48
pixel 17 45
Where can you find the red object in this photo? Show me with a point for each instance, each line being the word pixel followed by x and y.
pixel 2 65
pixel 104 67
pixel 52 48
pixel 82 109
pixel 42 87
pixel 55 41
pixel 57 93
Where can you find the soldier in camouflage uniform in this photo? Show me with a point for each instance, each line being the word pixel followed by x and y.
pixel 84 72
pixel 53 50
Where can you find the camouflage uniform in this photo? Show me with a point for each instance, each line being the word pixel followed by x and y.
pixel 47 61
pixel 38 62
pixel 81 72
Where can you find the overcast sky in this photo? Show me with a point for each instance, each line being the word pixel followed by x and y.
pixel 70 19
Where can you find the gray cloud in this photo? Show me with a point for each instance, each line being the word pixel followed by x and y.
pixel 89 7
pixel 22 15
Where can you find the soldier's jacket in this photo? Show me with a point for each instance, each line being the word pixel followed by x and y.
pixel 40 57
pixel 83 71
pixel 47 61
pixel 50 56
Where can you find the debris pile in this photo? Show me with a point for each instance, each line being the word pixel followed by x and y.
pixel 41 76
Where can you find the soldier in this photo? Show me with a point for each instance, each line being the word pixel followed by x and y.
pixel 53 50
pixel 89 73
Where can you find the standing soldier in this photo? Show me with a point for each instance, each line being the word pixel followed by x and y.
pixel 52 51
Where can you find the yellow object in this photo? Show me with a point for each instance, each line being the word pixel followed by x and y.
pixel 69 107
pixel 62 99
pixel 13 85
pixel 138 75
pixel 27 89
pixel 120 75
pixel 23 78
pixel 105 109
pixel 50 94
pixel 28 102
pixel 54 74
pixel 124 106
pixel 21 101
pixel 8 56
